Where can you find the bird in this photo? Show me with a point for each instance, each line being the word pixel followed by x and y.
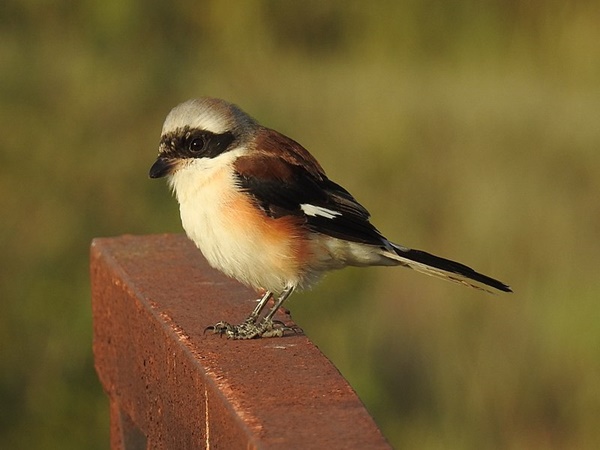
pixel 262 210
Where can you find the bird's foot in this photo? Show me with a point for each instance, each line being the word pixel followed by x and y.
pixel 249 329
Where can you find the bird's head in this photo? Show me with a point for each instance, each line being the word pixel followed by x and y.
pixel 198 133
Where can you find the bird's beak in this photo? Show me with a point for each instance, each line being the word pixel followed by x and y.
pixel 162 166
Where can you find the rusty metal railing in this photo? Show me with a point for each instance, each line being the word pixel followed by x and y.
pixel 171 386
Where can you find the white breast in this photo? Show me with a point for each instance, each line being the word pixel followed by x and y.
pixel 225 233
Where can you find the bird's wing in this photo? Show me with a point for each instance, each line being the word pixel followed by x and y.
pixel 287 181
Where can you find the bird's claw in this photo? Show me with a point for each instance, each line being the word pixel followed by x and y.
pixel 251 330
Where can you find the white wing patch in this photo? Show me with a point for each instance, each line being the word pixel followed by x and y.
pixel 312 210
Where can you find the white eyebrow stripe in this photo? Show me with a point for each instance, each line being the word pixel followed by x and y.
pixel 314 211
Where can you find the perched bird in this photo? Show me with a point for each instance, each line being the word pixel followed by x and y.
pixel 262 210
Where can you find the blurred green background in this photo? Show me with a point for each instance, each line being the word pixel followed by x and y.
pixel 470 129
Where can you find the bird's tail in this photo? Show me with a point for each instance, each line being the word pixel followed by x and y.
pixel 446 269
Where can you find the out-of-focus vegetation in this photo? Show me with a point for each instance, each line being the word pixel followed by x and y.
pixel 470 129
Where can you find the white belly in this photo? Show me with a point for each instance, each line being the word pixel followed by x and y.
pixel 225 230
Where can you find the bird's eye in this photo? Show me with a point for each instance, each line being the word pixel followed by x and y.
pixel 196 144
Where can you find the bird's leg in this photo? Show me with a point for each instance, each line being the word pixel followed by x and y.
pixel 262 302
pixel 282 298
pixel 276 328
pixel 250 329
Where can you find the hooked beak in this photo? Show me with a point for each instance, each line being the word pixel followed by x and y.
pixel 162 167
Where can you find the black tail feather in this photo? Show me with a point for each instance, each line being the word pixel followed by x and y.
pixel 450 266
